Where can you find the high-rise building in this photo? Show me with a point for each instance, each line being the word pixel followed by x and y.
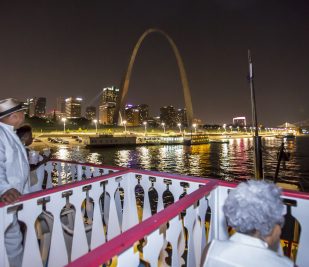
pixel 108 104
pixel 30 104
pixel 181 116
pixel 110 95
pixel 168 116
pixel 132 115
pixel 106 113
pixel 73 107
pixel 91 113
pixel 40 107
pixel 60 105
pixel 143 113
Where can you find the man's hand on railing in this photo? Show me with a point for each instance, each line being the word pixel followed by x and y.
pixel 10 196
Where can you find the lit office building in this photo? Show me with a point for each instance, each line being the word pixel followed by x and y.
pixel 239 121
pixel 110 95
pixel 30 104
pixel 143 113
pixel 181 116
pixel 60 105
pixel 73 107
pixel 132 115
pixel 168 116
pixel 106 113
pixel 40 107
pixel 108 104
pixel 91 113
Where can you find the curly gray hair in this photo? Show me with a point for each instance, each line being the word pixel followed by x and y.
pixel 254 206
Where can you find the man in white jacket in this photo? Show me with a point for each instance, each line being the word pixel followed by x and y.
pixel 14 172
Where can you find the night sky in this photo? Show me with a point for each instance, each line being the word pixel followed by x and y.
pixel 75 48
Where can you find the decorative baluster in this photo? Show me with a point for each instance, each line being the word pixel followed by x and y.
pixel 172 236
pixel 160 188
pixel 58 255
pixel 79 171
pixel 152 249
pixel 146 184
pixel 31 256
pixel 200 243
pixel 130 217
pixel 59 169
pixel 128 258
pixel 98 235
pixel 189 221
pixel 79 243
pixel 113 227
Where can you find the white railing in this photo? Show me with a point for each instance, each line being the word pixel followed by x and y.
pixel 127 218
pixel 59 172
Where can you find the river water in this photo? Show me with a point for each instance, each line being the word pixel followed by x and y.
pixel 230 161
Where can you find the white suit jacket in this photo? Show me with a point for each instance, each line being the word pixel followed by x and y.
pixel 14 165
pixel 243 251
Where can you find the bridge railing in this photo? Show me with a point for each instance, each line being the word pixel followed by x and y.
pixel 129 217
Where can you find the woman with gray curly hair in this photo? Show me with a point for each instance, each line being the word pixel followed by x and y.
pixel 255 210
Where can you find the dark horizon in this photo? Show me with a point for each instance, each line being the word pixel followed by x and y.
pixel 73 48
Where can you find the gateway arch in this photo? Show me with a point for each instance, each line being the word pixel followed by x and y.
pixel 183 76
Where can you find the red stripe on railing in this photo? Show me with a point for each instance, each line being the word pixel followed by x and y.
pixel 124 241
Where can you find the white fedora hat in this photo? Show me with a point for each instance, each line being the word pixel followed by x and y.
pixel 9 106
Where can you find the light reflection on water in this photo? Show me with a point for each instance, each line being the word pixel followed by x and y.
pixel 217 160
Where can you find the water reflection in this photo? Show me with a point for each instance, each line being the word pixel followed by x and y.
pixel 228 161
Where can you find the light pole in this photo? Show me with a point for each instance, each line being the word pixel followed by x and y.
pixel 179 125
pixel 96 126
pixel 237 128
pixel 145 124
pixel 231 128
pixel 194 126
pixel 245 128
pixel 125 126
pixel 163 125
pixel 64 120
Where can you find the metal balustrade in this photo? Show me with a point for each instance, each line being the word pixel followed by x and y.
pixel 128 218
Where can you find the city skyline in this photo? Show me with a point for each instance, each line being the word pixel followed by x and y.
pixel 52 49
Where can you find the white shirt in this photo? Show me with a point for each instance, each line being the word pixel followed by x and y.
pixel 242 251
pixel 14 165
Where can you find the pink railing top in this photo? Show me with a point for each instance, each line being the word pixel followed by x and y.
pixel 124 241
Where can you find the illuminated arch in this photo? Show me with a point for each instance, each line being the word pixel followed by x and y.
pixel 182 72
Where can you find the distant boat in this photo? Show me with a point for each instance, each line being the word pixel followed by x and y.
pixel 196 139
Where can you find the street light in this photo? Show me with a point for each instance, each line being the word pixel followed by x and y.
pixel 125 126
pixel 163 125
pixel 231 128
pixel 179 125
pixel 194 126
pixel 245 128
pixel 64 120
pixel 224 127
pixel 96 126
pixel 145 124
pixel 237 128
